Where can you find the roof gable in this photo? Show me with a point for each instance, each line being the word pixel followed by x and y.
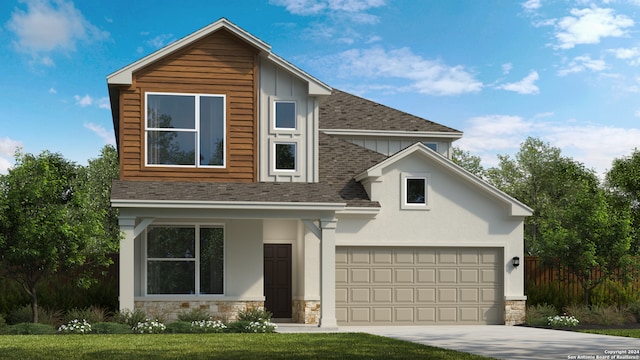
pixel 418 149
pixel 124 76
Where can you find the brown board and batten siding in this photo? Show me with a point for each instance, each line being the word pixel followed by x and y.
pixel 220 63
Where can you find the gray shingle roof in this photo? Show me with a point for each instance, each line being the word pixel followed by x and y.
pixel 342 110
pixel 217 191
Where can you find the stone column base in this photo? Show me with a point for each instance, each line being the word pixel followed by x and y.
pixel 515 312
pixel 168 311
pixel 306 312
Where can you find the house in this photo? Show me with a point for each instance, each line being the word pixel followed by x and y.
pixel 246 182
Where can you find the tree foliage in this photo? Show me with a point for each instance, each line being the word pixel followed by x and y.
pixel 576 222
pixel 623 180
pixel 469 162
pixel 53 220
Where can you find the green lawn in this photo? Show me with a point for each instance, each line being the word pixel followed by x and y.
pixel 634 333
pixel 218 346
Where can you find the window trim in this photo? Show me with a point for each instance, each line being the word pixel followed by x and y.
pixel 196 259
pixel 403 193
pixel 295 113
pixel 196 130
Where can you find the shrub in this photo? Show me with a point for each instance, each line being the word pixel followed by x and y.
pixel 29 328
pixel 110 328
pixel 238 327
pixel 562 321
pixel 194 315
pixel 128 317
pixel 634 310
pixel 537 315
pixel 92 314
pixel 600 315
pixel 23 315
pixel 75 326
pixel 254 314
pixel 4 328
pixel 149 326
pixel 207 326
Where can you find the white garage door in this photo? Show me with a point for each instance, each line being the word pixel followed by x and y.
pixel 407 286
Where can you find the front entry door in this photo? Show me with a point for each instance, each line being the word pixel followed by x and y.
pixel 277 279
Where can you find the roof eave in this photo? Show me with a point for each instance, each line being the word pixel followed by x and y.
pixel 229 205
pixel 393 133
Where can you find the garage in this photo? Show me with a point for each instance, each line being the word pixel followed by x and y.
pixel 419 286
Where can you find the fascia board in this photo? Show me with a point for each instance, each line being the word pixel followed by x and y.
pixel 370 211
pixel 234 205
pixel 124 76
pixel 390 133
pixel 316 87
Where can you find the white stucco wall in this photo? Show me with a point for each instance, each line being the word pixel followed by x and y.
pixel 459 214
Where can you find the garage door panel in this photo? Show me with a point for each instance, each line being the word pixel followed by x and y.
pixel 393 286
pixel 382 275
pixel 404 295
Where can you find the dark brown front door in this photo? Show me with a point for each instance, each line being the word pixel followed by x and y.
pixel 277 279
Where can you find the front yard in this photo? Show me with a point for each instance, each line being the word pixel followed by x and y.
pixel 218 346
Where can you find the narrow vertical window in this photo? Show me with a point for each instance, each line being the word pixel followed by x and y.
pixel 285 156
pixel 285 115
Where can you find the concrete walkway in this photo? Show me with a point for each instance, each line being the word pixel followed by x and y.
pixel 502 342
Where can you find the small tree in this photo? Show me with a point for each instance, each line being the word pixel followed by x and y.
pixel 49 224
pixel 471 163
pixel 623 181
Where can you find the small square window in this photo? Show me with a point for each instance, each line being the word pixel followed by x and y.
pixel 285 115
pixel 285 156
pixel 416 191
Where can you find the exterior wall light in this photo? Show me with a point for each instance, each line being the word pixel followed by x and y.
pixel 515 261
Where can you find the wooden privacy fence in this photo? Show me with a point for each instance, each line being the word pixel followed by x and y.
pixel 551 284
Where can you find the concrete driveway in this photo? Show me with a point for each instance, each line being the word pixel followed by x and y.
pixel 511 342
pixel 505 342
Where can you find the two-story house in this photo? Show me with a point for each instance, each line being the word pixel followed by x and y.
pixel 245 182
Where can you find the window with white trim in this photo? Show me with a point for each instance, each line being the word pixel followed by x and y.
pixel 285 115
pixel 415 191
pixel 285 156
pixel 184 260
pixel 430 145
pixel 185 129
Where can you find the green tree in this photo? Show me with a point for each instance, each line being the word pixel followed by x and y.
pixel 623 180
pixel 49 223
pixel 471 163
pixel 530 177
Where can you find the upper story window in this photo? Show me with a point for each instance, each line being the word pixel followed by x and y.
pixel 415 191
pixel 285 156
pixel 185 129
pixel 285 115
pixel 432 146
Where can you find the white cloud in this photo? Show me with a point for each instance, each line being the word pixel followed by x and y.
pixel 354 10
pixel 161 41
pixel 589 26
pixel 106 135
pixel 52 91
pixel 531 5
pixel 582 63
pixel 8 148
pixel 47 26
pixel 591 144
pixel 630 54
pixel 87 100
pixel 425 76
pixel 525 86
pixel 506 68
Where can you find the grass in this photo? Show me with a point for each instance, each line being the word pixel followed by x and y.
pixel 219 346
pixel 633 333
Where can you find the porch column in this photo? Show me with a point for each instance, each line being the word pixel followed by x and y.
pixel 126 291
pixel 328 274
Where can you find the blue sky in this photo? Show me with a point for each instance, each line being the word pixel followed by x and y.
pixel 565 71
